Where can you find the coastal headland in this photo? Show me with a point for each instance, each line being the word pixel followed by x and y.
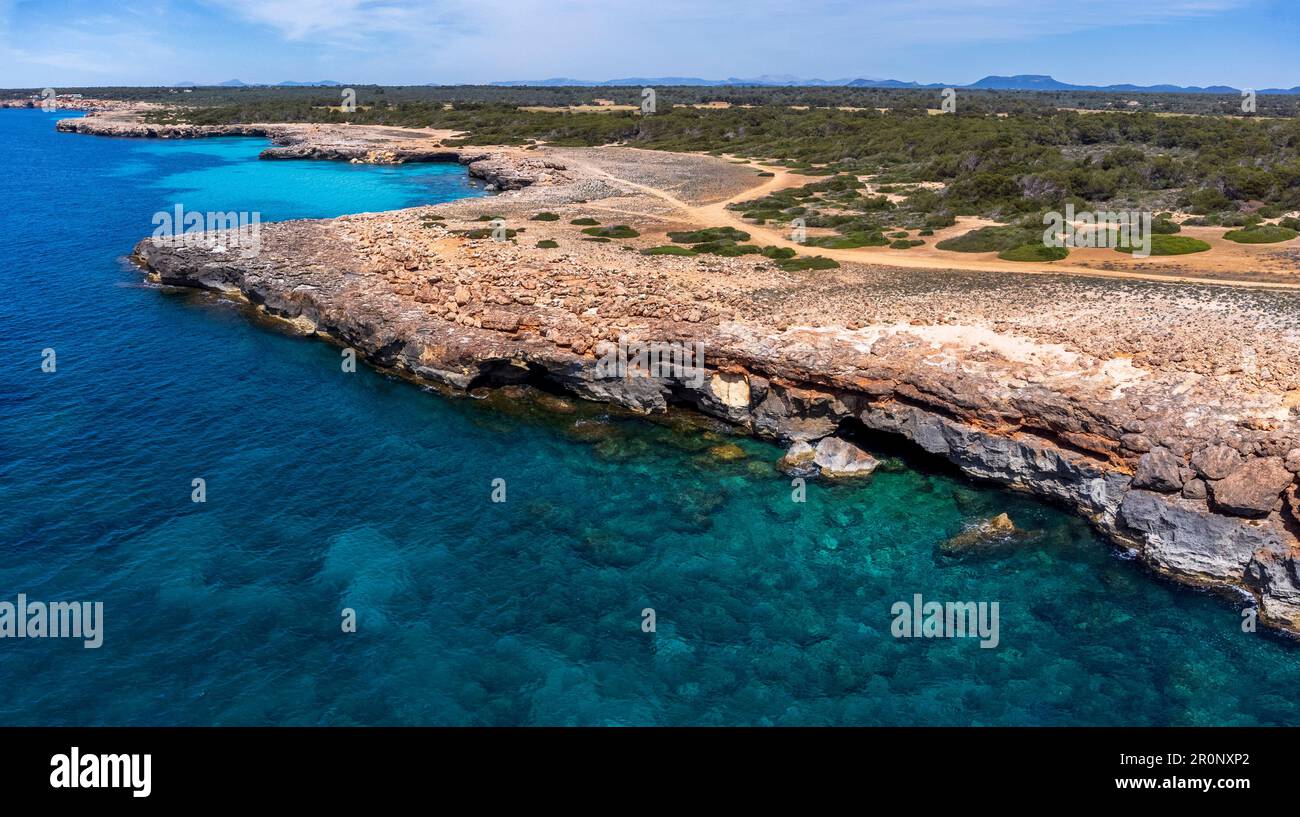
pixel 1158 402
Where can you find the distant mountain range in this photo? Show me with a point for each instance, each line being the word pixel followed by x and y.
pixel 1020 82
pixel 239 83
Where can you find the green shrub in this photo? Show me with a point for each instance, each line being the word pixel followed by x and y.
pixel 669 249
pixel 729 249
pixel 486 232
pixel 991 239
pixel 546 217
pixel 926 231
pixel 1163 226
pixel 937 221
pixel 489 218
pixel 779 253
pixel 807 262
pixel 600 239
pixel 617 231
pixel 1171 245
pixel 547 244
pixel 709 234
pixel 1290 222
pixel 848 242
pixel 905 244
pixel 1034 252
pixel 585 222
pixel 1261 234
pixel 1207 200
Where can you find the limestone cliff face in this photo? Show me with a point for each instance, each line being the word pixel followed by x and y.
pixel 1068 443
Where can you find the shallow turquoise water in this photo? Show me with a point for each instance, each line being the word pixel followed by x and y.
pixel 329 490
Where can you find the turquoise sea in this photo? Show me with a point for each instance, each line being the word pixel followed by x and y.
pixel 328 490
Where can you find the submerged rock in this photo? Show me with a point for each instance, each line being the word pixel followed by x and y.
pixel 555 404
pixel 727 452
pixel 838 458
pixel 997 530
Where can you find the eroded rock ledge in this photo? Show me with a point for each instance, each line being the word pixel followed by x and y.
pixel 1144 408
pixel 1190 474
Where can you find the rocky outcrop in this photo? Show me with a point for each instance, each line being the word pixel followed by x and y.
pixel 1181 472
pixel 1252 489
pixel 1054 450
pixel 839 459
pixel 980 537
pixel 501 169
pixel 1159 470
pixel 832 458
pixel 799 460
pixel 134 128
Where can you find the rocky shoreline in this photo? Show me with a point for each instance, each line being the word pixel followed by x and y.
pixel 1181 456
pixel 501 169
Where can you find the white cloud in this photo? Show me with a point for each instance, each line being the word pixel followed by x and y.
pixel 481 40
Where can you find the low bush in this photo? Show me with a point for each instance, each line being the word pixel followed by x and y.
pixel 1034 252
pixel 807 262
pixel 709 234
pixel 1171 245
pixel 617 231
pixel 1261 234
pixel 669 249
pixel 991 239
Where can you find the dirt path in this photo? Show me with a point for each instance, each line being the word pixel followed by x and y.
pixel 717 214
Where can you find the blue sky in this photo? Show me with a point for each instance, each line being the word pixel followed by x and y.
pixel 1244 43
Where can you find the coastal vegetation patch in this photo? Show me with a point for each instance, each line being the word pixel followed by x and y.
pixel 992 239
pixel 708 234
pixel 1169 245
pixel 1261 234
pixel 616 231
pixel 486 232
pixel 807 262
pixel 669 249
pixel 1034 252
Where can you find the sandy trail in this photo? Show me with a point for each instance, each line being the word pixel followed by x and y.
pixel 717 214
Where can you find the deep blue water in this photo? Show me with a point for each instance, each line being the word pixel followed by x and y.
pixel 328 490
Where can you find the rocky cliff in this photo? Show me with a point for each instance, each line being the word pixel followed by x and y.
pixel 1193 475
